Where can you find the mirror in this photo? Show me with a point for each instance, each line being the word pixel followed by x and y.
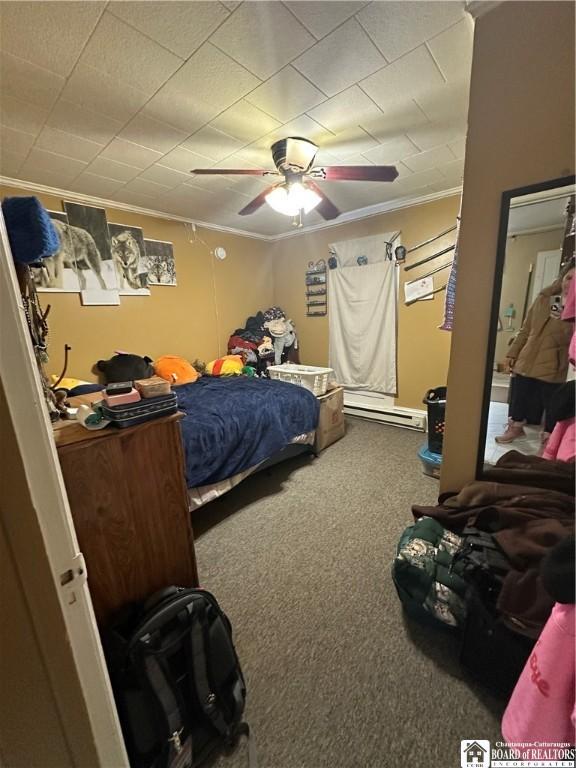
pixel 528 346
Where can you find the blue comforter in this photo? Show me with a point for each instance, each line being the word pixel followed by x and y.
pixel 232 424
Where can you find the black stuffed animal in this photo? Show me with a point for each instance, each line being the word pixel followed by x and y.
pixel 125 367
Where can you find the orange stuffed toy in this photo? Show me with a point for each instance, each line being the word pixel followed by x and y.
pixel 229 365
pixel 175 369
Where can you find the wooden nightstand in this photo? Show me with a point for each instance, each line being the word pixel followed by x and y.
pixel 129 502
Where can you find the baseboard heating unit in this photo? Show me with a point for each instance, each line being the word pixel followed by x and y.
pixel 383 410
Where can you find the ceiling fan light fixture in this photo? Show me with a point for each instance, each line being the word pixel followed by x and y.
pixel 290 199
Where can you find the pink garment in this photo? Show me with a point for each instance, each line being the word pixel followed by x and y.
pixel 569 311
pixel 542 707
pixel 562 442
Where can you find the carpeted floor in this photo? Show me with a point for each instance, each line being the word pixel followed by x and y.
pixel 299 557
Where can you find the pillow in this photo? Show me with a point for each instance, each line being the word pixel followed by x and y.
pixel 229 365
pixel 175 369
pixel 125 367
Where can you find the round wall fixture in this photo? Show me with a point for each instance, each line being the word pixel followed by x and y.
pixel 220 253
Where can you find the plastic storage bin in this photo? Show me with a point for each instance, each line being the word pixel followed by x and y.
pixel 308 376
pixel 431 462
pixel 435 400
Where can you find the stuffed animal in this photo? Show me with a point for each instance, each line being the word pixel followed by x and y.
pixel 175 369
pixel 125 367
pixel 229 365
pixel 282 331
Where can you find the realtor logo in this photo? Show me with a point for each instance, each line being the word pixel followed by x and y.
pixel 475 754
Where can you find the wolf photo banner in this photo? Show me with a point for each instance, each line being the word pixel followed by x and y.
pixel 161 264
pixel 58 273
pixel 90 241
pixel 129 257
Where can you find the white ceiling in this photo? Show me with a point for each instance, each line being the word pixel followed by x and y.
pixel 119 100
pixel 531 213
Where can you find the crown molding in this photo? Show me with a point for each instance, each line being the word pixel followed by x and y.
pixel 478 8
pixel 371 211
pixel 534 230
pixel 344 218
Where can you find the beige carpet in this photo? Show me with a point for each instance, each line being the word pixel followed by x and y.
pixel 299 557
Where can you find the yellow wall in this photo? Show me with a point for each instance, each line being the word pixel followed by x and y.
pixel 194 319
pixel 520 132
pixel 521 252
pixel 423 349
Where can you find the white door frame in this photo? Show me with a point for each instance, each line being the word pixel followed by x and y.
pixel 23 391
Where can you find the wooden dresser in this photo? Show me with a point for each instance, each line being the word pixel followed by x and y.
pixel 128 498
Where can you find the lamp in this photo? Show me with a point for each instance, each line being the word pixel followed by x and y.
pixel 290 199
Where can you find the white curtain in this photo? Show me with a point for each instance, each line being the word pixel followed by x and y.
pixel 362 315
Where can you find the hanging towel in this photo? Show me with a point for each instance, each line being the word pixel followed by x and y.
pixel 450 296
pixel 30 229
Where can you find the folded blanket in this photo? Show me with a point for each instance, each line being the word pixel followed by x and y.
pixel 30 229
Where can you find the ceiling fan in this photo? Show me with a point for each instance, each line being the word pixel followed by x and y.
pixel 298 192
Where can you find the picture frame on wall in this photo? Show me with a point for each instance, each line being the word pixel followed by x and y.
pixel 130 260
pixel 58 273
pixel 90 243
pixel 161 263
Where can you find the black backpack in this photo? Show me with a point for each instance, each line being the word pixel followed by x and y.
pixel 177 681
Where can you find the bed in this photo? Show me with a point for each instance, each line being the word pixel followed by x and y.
pixel 234 426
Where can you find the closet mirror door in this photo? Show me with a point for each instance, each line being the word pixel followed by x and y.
pixel 528 359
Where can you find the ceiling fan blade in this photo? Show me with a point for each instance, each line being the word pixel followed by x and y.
pixel 325 207
pixel 355 172
pixel 255 204
pixel 232 172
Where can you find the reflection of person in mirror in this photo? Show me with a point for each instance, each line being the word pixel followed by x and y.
pixel 538 360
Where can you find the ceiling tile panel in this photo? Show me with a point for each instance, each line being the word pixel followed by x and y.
pixel 179 26
pixel 452 51
pixel 130 197
pixel 350 142
pixel 96 186
pixel 49 34
pixel 22 116
pixel 66 168
pixel 116 48
pixel 16 143
pixel 280 37
pixel 212 144
pixel 415 74
pixel 392 151
pixel 38 175
pixel 153 134
pixel 399 27
pixel 108 94
pixel 445 103
pixel 67 144
pixel 434 134
pixel 184 111
pixel 113 170
pixel 350 105
pixel 245 122
pixel 415 181
pixel 397 118
pixel 181 159
pixel 326 67
pixel 432 158
pixel 322 18
pixel 132 154
pixel 286 95
pixel 71 118
pixel 453 171
pixel 21 79
pixel 301 126
pixel 458 148
pixel 144 187
pixel 165 176
pixel 10 163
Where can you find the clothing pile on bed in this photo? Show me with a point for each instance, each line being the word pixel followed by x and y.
pixel 268 338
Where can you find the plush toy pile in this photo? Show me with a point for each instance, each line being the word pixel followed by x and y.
pixel 268 338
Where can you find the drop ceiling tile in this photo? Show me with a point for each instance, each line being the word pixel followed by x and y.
pixel 116 47
pixel 453 171
pixel 71 118
pixel 181 159
pixel 213 78
pixel 432 158
pixel 398 118
pixel 212 144
pixel 132 154
pixel 255 156
pixel 97 186
pixel 245 122
pixel 165 176
pixel 153 134
pixel 22 116
pixel 67 144
pixel 16 143
pixel 326 67
pixel 286 95
pixel 145 187
pixel 263 37
pixel 348 109
pixel 101 166
pixel 301 126
pixel 51 35
pixel 21 79
pixel 183 111
pixel 434 134
pixel 230 4
pixel 416 181
pixel 179 26
pixel 10 163
pixel 452 51
pixel 392 151
pixel 411 76
pixel 458 147
pixel 399 27
pixel 322 18
pixel 448 103
pixel 42 176
pixel 107 94
pixel 350 142
pixel 66 168
pixel 212 183
pixel 125 195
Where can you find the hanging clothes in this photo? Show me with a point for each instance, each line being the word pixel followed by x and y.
pixel 362 309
